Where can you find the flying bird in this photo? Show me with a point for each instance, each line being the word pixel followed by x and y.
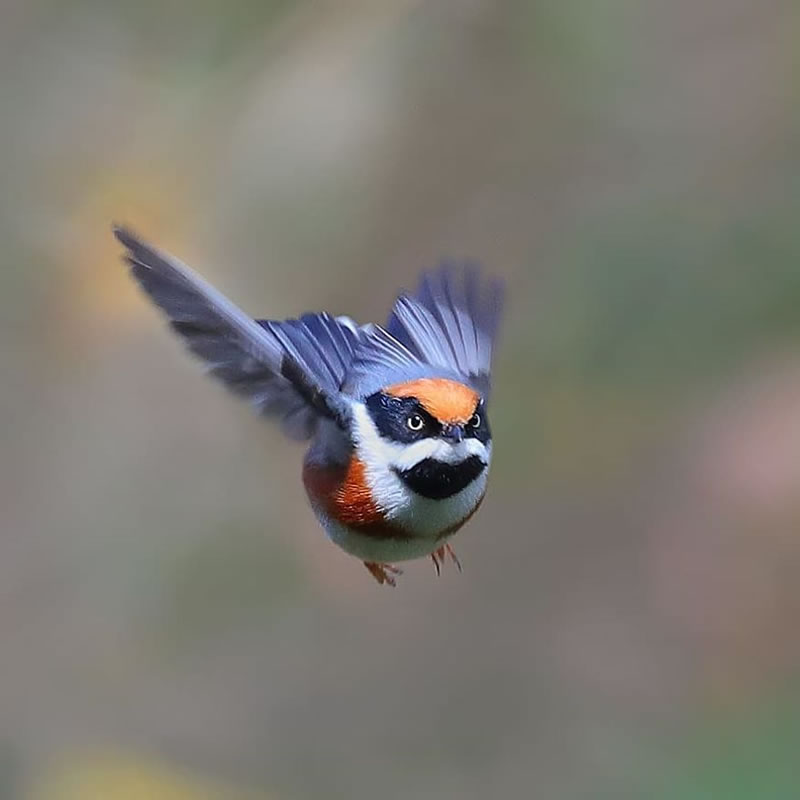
pixel 396 415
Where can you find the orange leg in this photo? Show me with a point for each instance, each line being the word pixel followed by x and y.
pixel 439 555
pixel 383 573
pixel 453 557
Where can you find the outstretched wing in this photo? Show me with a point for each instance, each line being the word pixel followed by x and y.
pixel 451 321
pixel 290 369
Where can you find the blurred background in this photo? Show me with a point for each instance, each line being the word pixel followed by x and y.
pixel 173 622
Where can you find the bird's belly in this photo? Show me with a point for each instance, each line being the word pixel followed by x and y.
pixel 413 529
pixel 382 547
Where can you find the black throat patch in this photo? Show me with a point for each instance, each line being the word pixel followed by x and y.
pixel 438 480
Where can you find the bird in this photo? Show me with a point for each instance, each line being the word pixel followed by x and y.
pixel 396 415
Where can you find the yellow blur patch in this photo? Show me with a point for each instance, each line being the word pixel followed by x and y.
pixel 127 779
pixel 93 296
pixel 448 401
pixel 135 195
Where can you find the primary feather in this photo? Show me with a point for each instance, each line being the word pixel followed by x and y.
pixel 277 366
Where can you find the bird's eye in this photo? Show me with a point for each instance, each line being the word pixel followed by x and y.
pixel 475 421
pixel 415 422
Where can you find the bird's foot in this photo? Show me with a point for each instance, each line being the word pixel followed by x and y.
pixel 383 573
pixel 440 554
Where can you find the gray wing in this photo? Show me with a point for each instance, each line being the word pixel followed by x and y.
pixel 290 369
pixel 451 321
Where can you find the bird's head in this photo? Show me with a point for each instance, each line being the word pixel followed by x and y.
pixel 431 432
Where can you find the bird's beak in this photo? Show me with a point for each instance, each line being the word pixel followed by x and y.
pixel 453 433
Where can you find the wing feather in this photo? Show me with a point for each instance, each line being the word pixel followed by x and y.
pixel 279 367
pixel 451 321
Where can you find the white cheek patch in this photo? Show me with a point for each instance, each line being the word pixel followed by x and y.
pixel 404 456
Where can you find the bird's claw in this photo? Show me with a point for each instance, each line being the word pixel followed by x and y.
pixel 439 556
pixel 383 573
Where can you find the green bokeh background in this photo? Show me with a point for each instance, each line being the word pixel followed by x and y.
pixel 173 622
